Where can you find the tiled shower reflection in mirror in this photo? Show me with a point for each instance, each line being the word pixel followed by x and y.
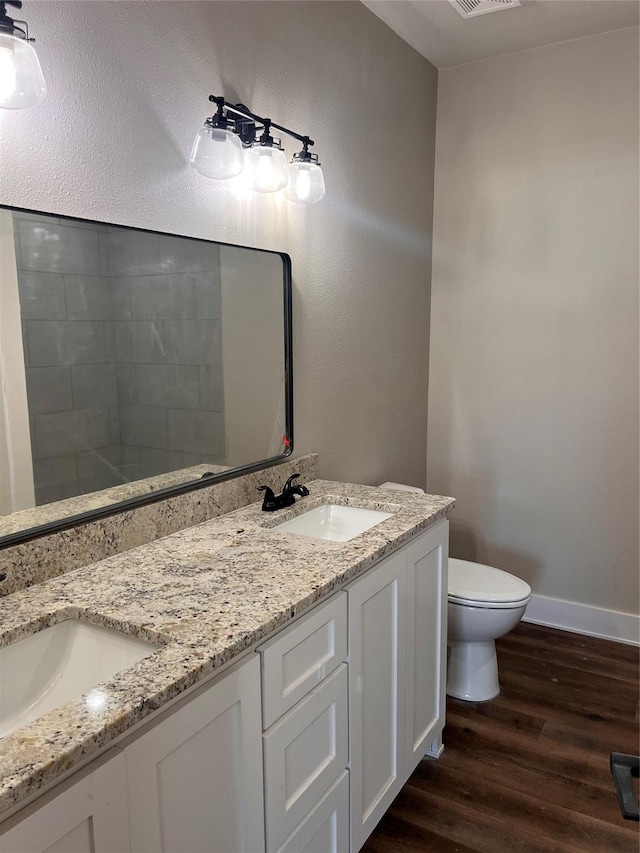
pixel 123 354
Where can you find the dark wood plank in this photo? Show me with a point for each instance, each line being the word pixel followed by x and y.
pixel 539 637
pixel 622 662
pixel 530 770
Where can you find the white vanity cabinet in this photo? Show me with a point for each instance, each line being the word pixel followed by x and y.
pixel 195 778
pixel 397 648
pixel 300 748
pixel 86 814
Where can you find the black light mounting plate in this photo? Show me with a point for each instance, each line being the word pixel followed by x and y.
pixel 245 127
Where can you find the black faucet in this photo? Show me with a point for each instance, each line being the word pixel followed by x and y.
pixel 287 497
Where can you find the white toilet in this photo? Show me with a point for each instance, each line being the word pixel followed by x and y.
pixel 484 604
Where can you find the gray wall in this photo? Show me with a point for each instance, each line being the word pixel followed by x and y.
pixel 533 394
pixel 128 87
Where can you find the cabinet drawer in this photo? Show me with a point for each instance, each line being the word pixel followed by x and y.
pixel 301 656
pixel 326 828
pixel 304 753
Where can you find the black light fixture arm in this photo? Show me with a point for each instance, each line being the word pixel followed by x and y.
pixel 251 118
pixel 10 25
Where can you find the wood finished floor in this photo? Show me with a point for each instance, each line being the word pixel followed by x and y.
pixel 529 771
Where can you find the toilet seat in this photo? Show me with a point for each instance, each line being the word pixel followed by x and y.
pixel 476 585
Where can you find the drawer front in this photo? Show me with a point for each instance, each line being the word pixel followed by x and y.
pixel 326 828
pixel 298 659
pixel 304 753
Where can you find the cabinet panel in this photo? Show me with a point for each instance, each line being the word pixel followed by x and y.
pixel 326 827
pixel 87 814
pixel 426 641
pixel 298 659
pixel 376 696
pixel 304 753
pixel 195 778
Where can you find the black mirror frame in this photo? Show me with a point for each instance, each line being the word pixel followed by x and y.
pixel 69 522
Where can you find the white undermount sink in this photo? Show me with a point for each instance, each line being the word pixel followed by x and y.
pixel 58 664
pixel 333 522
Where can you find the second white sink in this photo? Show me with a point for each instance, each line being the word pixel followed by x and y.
pixel 333 522
pixel 58 664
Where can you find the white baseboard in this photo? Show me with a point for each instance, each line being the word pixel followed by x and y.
pixel 584 619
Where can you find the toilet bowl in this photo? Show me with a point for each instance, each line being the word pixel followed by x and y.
pixel 484 603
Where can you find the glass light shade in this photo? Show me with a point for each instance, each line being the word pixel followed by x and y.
pixel 21 80
pixel 306 183
pixel 266 168
pixel 217 153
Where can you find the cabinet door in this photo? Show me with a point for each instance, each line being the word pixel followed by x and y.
pixel 376 692
pixel 195 778
pixel 86 814
pixel 426 641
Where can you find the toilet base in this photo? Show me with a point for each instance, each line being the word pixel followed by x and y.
pixel 472 673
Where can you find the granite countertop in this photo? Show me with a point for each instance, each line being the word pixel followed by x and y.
pixel 206 594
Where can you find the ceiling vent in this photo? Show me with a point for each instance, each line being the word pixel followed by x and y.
pixel 471 8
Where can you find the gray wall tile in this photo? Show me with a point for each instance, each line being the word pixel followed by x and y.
pixel 207 287
pixel 99 469
pixel 133 253
pixel 211 395
pixel 57 342
pixel 59 433
pixel 126 379
pixel 129 464
pixel 35 217
pixel 177 459
pixel 163 297
pixel 152 461
pixel 94 385
pixel 174 385
pixel 121 297
pixel 49 247
pixel 114 424
pixel 110 344
pixel 143 426
pixel 55 479
pixel 179 254
pixel 140 341
pixel 193 341
pixel 88 297
pixel 48 389
pixel 196 431
pixel 41 296
pixel 104 243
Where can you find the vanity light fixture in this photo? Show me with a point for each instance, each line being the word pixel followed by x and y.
pixel 22 83
pixel 218 146
pixel 306 182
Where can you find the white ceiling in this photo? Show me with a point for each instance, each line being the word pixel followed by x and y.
pixel 438 32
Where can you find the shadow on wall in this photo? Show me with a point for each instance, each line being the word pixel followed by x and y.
pixel 465 545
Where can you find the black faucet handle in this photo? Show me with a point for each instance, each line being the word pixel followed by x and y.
pixel 269 503
pixel 289 482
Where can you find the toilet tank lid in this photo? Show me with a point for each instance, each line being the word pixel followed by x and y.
pixel 477 582
pixel 400 487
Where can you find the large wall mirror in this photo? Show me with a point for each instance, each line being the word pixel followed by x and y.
pixel 133 365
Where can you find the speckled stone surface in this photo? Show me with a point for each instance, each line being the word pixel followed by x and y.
pixel 208 593
pixel 41 559
pixel 45 514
